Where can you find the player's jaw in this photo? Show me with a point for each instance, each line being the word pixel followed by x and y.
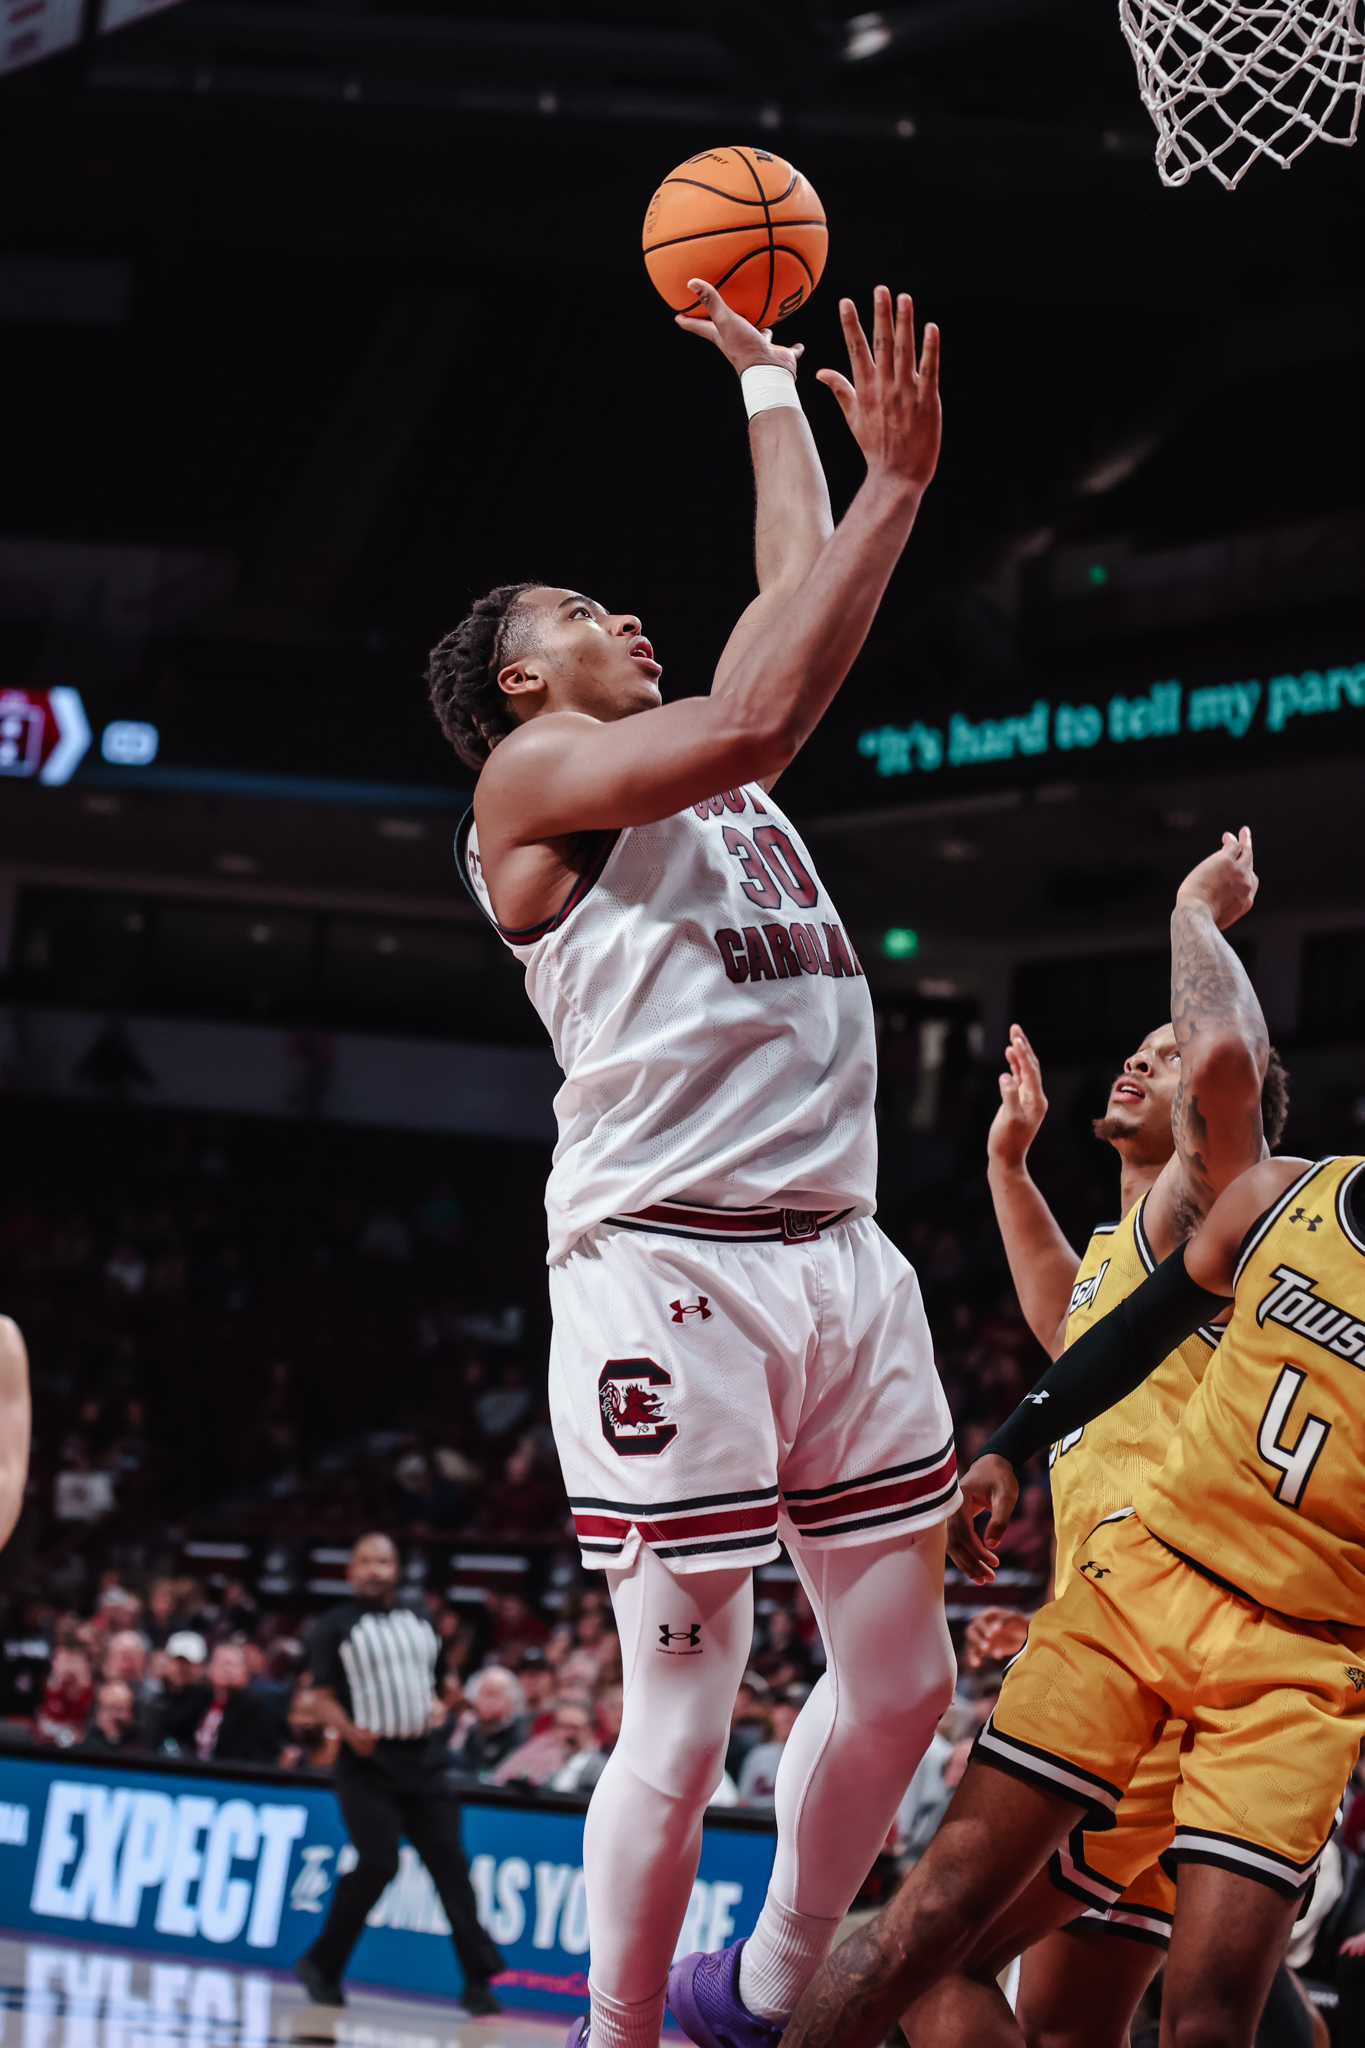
pixel 1142 1097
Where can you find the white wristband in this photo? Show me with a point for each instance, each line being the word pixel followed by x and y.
pixel 766 385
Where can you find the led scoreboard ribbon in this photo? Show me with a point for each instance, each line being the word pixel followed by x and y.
pixel 1164 711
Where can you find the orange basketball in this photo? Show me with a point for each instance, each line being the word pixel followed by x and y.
pixel 747 222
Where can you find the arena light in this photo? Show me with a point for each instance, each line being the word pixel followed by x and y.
pixel 866 35
pixel 900 943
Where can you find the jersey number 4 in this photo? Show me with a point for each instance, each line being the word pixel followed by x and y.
pixel 1294 1462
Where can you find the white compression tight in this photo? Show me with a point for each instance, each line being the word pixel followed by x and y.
pixel 845 1767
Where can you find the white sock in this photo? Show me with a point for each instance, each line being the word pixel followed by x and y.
pixel 779 1959
pixel 615 2025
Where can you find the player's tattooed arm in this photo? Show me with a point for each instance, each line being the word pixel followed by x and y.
pixel 1223 1043
pixel 1042 1263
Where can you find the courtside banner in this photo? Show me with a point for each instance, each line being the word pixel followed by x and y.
pixel 241 1870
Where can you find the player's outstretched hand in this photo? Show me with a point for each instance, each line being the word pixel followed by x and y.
pixel 993 1634
pixel 1023 1104
pixel 892 405
pixel 1226 883
pixel 990 1484
pixel 742 345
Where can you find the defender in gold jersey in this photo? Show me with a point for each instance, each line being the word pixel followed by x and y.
pixel 1230 1597
pixel 1182 1117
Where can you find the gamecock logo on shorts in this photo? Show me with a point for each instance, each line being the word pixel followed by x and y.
pixel 634 1420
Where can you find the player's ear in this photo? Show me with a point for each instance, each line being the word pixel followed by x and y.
pixel 519 679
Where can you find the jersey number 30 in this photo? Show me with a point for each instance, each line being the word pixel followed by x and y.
pixel 1294 1462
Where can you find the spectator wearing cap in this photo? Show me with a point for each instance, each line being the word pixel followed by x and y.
pixel 221 1720
pixel 500 1724
pixel 175 1669
pixel 537 1682
pixel 112 1726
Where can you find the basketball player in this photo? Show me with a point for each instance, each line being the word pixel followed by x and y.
pixel 15 1426
pixel 1184 1118
pixel 740 1358
pixel 1230 1597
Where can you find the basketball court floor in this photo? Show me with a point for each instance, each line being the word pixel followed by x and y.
pixel 78 1995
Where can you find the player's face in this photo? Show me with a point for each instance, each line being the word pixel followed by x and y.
pixel 588 658
pixel 1143 1096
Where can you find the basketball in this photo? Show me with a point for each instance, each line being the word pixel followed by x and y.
pixel 747 222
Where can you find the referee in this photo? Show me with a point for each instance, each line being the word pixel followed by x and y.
pixel 373 1665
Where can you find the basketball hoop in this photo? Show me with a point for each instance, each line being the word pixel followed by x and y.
pixel 1227 81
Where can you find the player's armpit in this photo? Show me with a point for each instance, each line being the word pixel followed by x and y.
pixel 1212 1254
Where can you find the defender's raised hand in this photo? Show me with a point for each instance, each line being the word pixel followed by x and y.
pixel 741 344
pixel 1023 1104
pixel 892 405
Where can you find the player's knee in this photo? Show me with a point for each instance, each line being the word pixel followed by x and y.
pixel 899 1707
pixel 682 1759
pixel 1208 2021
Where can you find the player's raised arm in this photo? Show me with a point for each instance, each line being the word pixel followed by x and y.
pixel 1042 1263
pixel 792 517
pixel 1115 1355
pixel 1223 1042
pixel 561 772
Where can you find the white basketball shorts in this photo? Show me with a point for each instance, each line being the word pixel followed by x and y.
pixel 714 1398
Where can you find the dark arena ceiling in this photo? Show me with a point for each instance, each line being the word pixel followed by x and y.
pixel 340 310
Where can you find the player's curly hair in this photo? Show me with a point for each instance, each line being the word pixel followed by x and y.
pixel 462 672
pixel 1274 1100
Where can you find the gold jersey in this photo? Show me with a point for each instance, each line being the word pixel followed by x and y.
pixel 1264 1481
pixel 1097 1470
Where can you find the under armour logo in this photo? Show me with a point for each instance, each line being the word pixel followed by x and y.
pixel 1097 1571
pixel 683 1309
pixel 1300 1213
pixel 1037 1399
pixel 1356 1676
pixel 690 1635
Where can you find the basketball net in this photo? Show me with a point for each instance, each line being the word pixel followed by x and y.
pixel 1227 81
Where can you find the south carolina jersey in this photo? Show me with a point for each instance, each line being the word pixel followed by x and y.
pixel 711 1018
pixel 1264 1481
pixel 1098 1469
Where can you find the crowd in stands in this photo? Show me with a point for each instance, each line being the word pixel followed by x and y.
pixel 299 1328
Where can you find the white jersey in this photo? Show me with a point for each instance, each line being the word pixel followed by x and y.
pixel 711 1018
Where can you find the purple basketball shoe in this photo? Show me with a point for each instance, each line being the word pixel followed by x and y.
pixel 703 1996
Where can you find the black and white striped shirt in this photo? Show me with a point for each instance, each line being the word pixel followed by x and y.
pixel 381 1666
